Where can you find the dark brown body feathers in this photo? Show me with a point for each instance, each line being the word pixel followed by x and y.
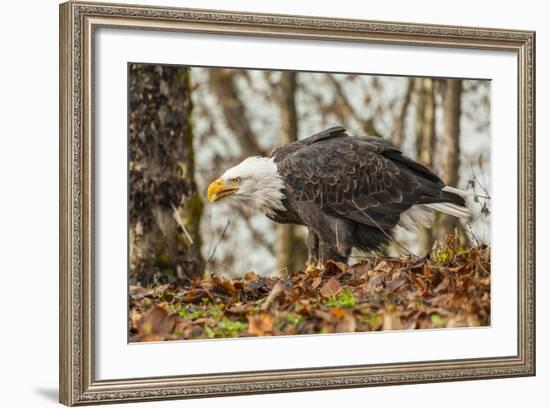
pixel 347 189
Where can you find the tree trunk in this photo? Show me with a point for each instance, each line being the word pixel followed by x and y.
pixel 450 146
pixel 425 140
pixel 425 120
pixel 291 248
pixel 222 83
pixel 164 205
pixel 397 134
pixel 450 155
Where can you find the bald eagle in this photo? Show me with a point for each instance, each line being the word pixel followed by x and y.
pixel 349 191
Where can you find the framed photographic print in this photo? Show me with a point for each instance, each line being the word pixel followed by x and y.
pixel 258 203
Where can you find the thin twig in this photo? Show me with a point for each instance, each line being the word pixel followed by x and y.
pixel 471 230
pixel 219 241
pixel 337 241
pixel 181 224
pixel 474 177
pixel 382 229
pixel 257 236
pixel 275 292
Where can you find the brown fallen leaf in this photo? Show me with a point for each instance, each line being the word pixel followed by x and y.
pixel 316 282
pixel 443 285
pixel 239 309
pixel 338 312
pixel 427 271
pixel 152 338
pixel 333 267
pixel 383 266
pixel 323 315
pixel 187 329
pixel 331 288
pixel 224 288
pixel 395 284
pixel 347 324
pixel 197 295
pixel 391 322
pixel 422 288
pixel 135 316
pixel 363 268
pixel 260 286
pixel 139 292
pixel 157 322
pixel 250 276
pixel 417 264
pixel 260 325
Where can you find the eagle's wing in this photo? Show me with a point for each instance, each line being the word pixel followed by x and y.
pixel 363 179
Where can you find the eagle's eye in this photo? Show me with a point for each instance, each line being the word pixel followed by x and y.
pixel 237 180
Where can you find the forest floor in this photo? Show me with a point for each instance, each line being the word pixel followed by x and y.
pixel 450 287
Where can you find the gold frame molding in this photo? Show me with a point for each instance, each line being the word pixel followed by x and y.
pixel 78 22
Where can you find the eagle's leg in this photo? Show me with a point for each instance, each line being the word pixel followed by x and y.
pixel 326 253
pixel 312 251
pixel 336 243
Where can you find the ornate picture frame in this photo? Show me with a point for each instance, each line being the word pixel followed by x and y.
pixel 78 25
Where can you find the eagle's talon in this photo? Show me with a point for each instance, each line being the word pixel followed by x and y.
pixel 310 268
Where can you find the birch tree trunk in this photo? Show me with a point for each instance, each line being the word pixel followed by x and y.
pixel 164 205
pixel 291 249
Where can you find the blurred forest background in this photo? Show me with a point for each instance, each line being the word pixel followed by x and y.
pixel 188 125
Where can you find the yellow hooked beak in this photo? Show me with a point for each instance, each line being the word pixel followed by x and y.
pixel 218 189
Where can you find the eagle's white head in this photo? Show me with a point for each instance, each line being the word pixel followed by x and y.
pixel 252 184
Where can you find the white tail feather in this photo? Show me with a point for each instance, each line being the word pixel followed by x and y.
pixel 451 209
pixel 422 215
pixel 415 217
pixel 458 191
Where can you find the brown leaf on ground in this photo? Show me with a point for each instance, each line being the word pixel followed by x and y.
pixel 331 288
pixel 260 325
pixel 383 266
pixel 395 284
pixel 333 268
pixel 347 324
pixel 250 276
pixel 390 321
pixel 338 312
pixel 449 287
pixel 135 316
pixel 239 309
pixel 316 282
pixel 427 271
pixel 158 321
pixel 139 292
